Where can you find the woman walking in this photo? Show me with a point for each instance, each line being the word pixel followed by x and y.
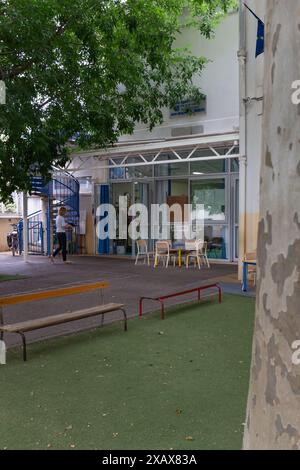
pixel 61 227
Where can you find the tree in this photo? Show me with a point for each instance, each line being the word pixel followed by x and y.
pixel 273 418
pixel 89 68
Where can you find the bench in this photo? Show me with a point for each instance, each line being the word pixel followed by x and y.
pixel 162 298
pixel 30 325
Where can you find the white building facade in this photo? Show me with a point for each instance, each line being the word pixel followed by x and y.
pixel 194 158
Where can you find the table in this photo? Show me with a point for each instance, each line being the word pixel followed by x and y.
pixel 178 251
pixel 247 263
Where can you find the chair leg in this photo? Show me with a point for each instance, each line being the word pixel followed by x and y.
pixel 136 259
pixel 167 261
pixel 198 262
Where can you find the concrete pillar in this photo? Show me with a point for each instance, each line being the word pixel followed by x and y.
pixel 44 203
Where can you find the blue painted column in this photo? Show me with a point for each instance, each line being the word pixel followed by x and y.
pixel 103 245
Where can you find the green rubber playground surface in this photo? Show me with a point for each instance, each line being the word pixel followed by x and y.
pixel 175 384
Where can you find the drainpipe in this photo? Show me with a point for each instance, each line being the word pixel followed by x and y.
pixel 242 57
pixel 25 227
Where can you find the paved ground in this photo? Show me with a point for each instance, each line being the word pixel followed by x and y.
pixel 127 283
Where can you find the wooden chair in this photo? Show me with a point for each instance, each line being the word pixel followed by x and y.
pixel 162 252
pixel 251 272
pixel 193 253
pixel 142 252
pixel 198 252
pixel 203 253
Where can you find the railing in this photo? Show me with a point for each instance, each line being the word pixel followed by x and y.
pixel 35 234
pixel 62 190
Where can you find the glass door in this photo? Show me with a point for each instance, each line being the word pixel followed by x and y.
pixel 124 190
pixel 142 195
pixel 212 193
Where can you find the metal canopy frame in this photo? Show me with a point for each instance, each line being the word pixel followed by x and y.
pixel 182 151
pixel 153 158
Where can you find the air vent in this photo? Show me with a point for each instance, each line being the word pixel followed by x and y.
pixel 187 130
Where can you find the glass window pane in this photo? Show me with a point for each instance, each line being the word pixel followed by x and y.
pixel 209 166
pixel 235 165
pixel 216 237
pixel 211 193
pixel 173 169
pixel 117 173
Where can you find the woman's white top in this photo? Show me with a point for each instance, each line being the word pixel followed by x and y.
pixel 60 224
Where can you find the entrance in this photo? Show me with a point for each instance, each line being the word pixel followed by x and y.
pixel 136 193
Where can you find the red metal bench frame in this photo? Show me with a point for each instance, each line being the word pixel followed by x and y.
pixel 162 298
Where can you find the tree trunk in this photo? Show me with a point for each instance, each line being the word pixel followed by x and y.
pixel 273 415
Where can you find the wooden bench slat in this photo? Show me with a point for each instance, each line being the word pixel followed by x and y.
pixel 48 294
pixel 30 325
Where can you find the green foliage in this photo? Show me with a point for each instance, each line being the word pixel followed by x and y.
pixel 90 68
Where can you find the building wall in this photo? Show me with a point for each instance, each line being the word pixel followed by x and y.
pixel 96 171
pixel 34 204
pixel 5 227
pixel 251 110
pixel 219 82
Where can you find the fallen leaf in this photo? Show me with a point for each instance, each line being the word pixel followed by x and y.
pixel 189 438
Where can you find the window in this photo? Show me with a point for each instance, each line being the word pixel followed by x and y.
pixel 211 193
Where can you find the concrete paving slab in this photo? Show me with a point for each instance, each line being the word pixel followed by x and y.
pixel 127 283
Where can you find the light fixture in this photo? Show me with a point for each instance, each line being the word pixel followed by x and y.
pixel 197 173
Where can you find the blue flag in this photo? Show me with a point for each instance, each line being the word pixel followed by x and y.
pixel 260 39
